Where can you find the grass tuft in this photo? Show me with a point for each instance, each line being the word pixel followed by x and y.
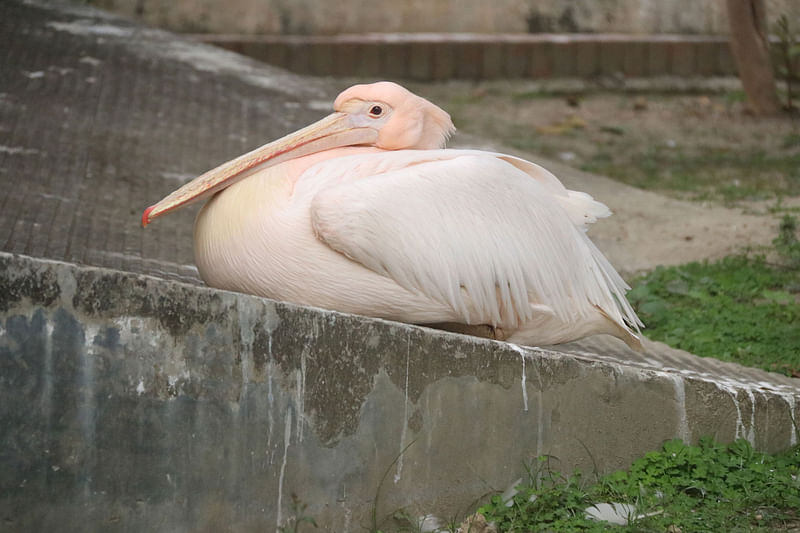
pixel 708 173
pixel 708 487
pixel 739 309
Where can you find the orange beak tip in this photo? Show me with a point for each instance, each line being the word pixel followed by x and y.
pixel 146 216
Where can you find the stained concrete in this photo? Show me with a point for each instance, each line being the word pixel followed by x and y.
pixel 100 117
pixel 134 399
pixel 602 58
pixel 318 17
pixel 131 403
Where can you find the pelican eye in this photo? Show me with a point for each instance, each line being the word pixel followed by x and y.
pixel 375 111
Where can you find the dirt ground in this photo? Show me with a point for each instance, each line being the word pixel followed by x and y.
pixel 706 179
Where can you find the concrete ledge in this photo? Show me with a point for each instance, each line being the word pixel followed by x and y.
pixel 441 56
pixel 133 403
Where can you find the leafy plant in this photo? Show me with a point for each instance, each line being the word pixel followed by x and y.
pixel 786 243
pixel 374 513
pixel 702 172
pixel 298 517
pixel 738 309
pixel 708 487
pixel 558 502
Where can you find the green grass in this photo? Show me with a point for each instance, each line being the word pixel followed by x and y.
pixel 704 173
pixel 741 309
pixel 709 487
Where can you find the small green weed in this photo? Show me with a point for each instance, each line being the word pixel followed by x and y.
pixel 735 96
pixel 786 243
pixel 707 173
pixel 400 513
pixel 738 309
pixel 709 487
pixel 298 517
pixel 791 140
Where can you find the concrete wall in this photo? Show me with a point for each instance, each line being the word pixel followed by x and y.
pixel 129 403
pixel 424 56
pixel 318 17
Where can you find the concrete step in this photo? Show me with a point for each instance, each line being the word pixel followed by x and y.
pixel 483 56
pixel 154 405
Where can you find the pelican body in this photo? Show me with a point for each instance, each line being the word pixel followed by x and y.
pixel 364 212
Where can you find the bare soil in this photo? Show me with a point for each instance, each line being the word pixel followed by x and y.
pixel 696 176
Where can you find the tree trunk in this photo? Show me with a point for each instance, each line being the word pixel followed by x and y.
pixel 747 19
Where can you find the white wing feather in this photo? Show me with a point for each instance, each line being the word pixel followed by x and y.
pixel 471 230
pixel 581 208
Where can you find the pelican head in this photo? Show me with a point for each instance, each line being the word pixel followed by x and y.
pixel 383 115
pixel 401 119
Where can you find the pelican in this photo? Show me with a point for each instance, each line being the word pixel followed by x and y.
pixel 365 212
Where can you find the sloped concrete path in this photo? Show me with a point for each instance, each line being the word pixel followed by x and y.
pixel 132 403
pixel 156 405
pixel 101 118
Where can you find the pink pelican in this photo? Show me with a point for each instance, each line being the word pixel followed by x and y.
pixel 365 212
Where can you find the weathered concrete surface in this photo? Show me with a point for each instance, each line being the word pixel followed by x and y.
pixel 129 403
pixel 100 117
pixel 447 56
pixel 320 17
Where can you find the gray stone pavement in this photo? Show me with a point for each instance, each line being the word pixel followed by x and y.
pixel 100 117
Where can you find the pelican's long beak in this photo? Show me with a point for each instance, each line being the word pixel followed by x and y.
pixel 332 131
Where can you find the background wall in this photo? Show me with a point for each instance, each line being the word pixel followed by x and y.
pixel 321 17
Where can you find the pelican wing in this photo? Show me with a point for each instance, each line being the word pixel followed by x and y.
pixel 581 207
pixel 472 231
